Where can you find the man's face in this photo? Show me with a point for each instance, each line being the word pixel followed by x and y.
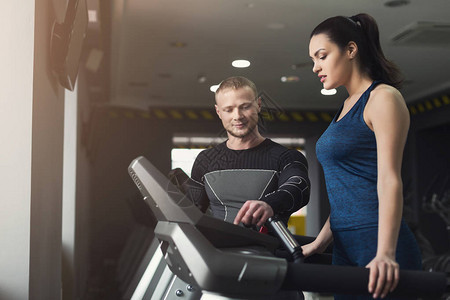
pixel 238 110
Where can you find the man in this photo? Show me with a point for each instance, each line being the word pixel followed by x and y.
pixel 248 178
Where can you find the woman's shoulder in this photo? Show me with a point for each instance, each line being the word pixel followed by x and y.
pixel 385 103
pixel 386 92
pixel 384 95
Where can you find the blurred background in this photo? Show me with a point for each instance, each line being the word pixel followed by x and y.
pixel 145 84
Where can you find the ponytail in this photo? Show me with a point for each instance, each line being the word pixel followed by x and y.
pixel 363 30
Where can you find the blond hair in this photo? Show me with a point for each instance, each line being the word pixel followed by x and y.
pixel 236 82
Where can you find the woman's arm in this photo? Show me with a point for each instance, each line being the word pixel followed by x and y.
pixel 322 241
pixel 387 115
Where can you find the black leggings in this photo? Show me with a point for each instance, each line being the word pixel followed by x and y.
pixel 359 247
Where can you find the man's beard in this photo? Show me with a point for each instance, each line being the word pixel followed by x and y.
pixel 249 131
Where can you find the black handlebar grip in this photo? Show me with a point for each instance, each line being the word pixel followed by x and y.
pixel 286 238
pixel 354 280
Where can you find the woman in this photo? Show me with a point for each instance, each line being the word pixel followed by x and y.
pixel 361 154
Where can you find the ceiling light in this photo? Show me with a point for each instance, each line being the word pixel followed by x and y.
pixel 201 78
pixel 328 92
pixel 214 88
pixel 396 3
pixel 290 78
pixel 240 63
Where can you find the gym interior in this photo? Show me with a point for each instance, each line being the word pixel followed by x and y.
pixel 87 86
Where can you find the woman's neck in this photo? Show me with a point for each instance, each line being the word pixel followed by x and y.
pixel 358 84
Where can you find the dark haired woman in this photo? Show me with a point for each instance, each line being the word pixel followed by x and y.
pixel 361 154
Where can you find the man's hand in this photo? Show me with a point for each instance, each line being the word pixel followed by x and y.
pixel 254 212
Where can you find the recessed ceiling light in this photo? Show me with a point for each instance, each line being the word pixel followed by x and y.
pixel 290 78
pixel 328 92
pixel 240 63
pixel 396 3
pixel 214 88
pixel 201 78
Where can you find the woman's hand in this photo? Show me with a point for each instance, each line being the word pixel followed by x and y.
pixel 384 275
pixel 320 244
pixel 313 248
pixel 309 249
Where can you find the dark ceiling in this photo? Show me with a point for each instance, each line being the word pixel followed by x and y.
pixel 169 53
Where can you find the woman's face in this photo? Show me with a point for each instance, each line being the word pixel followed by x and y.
pixel 331 64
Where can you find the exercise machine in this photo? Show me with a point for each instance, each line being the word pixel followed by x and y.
pixel 230 261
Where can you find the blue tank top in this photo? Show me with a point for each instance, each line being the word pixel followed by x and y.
pixel 347 152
